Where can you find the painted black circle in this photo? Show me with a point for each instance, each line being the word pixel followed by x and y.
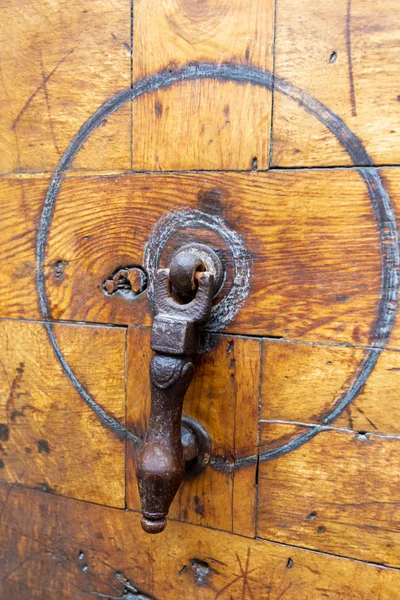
pixel 381 205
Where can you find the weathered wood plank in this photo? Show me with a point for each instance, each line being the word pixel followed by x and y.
pixel 223 397
pixel 203 124
pixel 70 549
pixel 49 437
pixel 59 62
pixel 304 383
pixel 338 493
pixel 312 237
pixel 346 55
pixel 20 202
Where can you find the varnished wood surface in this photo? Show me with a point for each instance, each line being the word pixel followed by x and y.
pixel 338 493
pixel 202 124
pixel 305 428
pixel 345 55
pixel 49 438
pixel 304 382
pixel 335 54
pixel 59 62
pixel 60 548
pixel 334 491
pixel 312 237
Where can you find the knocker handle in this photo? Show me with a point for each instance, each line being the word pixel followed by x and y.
pixel 161 461
pixel 161 465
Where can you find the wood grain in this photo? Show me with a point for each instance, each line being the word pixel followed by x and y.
pixel 57 547
pixel 338 493
pixel 223 397
pixel 346 55
pixel 20 201
pixel 59 62
pixel 303 382
pixel 322 245
pixel 312 236
pixel 202 124
pixel 49 437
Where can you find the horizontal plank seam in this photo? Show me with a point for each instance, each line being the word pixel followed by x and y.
pixel 330 554
pixel 25 486
pixel 246 336
pixel 258 538
pixel 117 508
pixel 323 428
pixel 127 173
pixel 73 323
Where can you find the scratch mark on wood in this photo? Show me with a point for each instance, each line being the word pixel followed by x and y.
pixel 46 96
pixel 350 60
pixel 242 577
pixel 245 572
pixel 17 148
pixel 37 90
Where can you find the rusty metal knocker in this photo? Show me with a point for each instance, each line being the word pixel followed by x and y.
pixel 183 296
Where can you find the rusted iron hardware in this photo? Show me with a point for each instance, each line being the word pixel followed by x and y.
pixel 161 460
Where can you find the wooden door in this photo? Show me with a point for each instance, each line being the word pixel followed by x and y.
pixel 278 121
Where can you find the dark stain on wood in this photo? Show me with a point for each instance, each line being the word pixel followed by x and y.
pixel 158 108
pixel 199 506
pixel 4 432
pixel 43 447
pixel 211 201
